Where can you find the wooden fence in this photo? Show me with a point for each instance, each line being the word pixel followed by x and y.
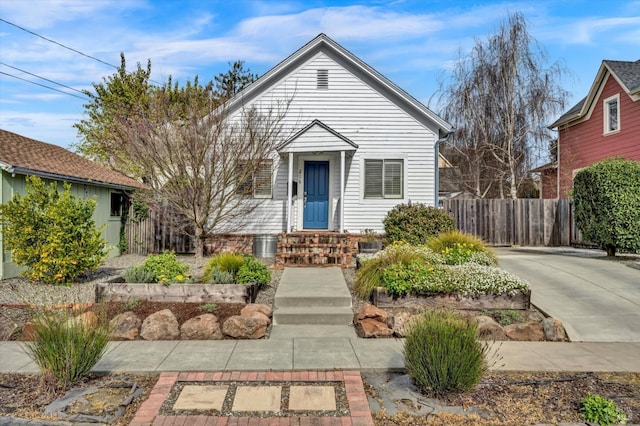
pixel 155 234
pixel 525 222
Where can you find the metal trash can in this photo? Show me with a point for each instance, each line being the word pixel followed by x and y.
pixel 265 245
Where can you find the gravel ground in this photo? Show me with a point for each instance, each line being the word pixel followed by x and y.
pixel 21 290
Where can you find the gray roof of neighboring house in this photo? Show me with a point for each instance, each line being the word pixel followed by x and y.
pixel 26 156
pixel 626 72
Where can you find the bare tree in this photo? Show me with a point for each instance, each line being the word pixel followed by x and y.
pixel 197 158
pixel 500 98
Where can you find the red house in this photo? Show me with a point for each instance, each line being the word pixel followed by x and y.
pixel 605 123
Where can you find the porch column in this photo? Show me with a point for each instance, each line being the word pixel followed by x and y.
pixel 341 192
pixel 289 191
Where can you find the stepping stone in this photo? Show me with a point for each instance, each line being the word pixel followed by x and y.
pixel 257 398
pixel 201 398
pixel 312 398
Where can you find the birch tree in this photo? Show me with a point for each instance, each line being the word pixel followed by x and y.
pixel 500 98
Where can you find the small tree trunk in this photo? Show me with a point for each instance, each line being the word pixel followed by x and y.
pixel 200 238
pixel 611 250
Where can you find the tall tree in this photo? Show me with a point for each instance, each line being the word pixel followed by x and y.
pixel 228 84
pixel 500 98
pixel 122 93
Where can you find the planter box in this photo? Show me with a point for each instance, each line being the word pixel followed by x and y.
pixel 195 293
pixel 521 300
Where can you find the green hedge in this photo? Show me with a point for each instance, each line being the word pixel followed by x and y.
pixel 607 204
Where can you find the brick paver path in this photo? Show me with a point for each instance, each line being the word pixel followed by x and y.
pixel 359 412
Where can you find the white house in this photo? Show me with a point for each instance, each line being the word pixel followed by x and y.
pixel 356 144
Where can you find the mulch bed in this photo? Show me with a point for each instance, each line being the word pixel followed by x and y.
pixel 26 396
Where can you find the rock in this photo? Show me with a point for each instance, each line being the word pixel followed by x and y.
pixel 125 326
pixel 202 327
pixel 8 328
pixel 28 332
pixel 251 308
pixel 259 315
pixel 369 311
pixel 553 330
pixel 401 323
pixel 489 329
pixel 534 316
pixel 370 327
pixel 242 327
pixel 162 325
pixel 531 331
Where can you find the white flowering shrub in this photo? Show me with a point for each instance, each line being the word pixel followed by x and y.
pixel 469 279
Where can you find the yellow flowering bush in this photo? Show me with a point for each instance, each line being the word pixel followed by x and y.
pixel 52 233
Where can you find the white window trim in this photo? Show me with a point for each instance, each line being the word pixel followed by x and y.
pixel 384 157
pixel 253 194
pixel 605 114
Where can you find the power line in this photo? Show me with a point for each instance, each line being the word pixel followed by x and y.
pixel 45 86
pixel 59 44
pixel 43 78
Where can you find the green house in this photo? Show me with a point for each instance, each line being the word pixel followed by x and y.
pixel 21 157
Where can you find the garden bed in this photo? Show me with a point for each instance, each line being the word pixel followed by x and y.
pixel 520 299
pixel 118 291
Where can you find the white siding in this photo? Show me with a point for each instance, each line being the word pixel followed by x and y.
pixel 379 127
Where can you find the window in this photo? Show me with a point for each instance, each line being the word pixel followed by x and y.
pixel 612 114
pixel 259 184
pixel 116 204
pixel 322 79
pixel 383 179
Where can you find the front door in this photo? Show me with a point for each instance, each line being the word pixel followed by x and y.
pixel 316 195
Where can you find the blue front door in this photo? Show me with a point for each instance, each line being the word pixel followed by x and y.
pixel 316 195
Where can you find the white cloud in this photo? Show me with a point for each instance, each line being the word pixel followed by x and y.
pixel 46 127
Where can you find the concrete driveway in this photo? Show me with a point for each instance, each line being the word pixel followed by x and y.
pixel 598 300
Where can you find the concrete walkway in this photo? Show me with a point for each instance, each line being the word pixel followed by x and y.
pixel 329 353
pixel 597 300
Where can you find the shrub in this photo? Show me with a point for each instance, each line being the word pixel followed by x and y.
pixel 216 276
pixel 442 354
pixel 138 274
pixel 226 262
pixel 469 279
pixel 607 204
pixel 597 409
pixel 457 248
pixel 66 347
pixel 208 307
pixel 369 276
pixel 253 271
pixel 166 268
pixel 400 278
pixel 415 223
pixel 52 233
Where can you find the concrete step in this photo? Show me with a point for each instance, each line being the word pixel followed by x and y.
pixel 313 315
pixel 300 301
pixel 294 331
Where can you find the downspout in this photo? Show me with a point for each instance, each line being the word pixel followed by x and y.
pixel 443 139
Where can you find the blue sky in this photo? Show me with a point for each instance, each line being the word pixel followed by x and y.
pixel 411 42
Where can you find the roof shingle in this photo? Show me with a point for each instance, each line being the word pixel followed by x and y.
pixel 41 157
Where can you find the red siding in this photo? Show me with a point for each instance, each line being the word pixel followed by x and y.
pixel 548 179
pixel 583 144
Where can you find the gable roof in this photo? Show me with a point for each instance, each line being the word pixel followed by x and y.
pixel 626 73
pixel 323 43
pixel 333 140
pixel 25 156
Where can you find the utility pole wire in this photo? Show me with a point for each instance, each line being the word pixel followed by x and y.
pixel 59 44
pixel 42 85
pixel 43 78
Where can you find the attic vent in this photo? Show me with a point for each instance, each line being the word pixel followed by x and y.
pixel 322 79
